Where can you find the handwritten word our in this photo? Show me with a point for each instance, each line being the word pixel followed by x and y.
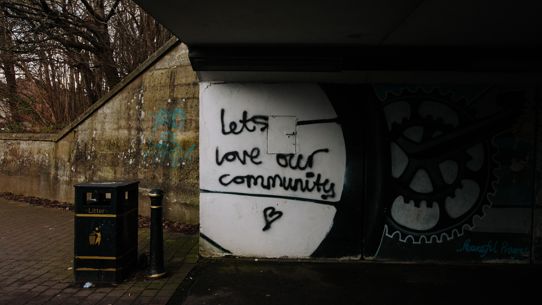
pixel 296 161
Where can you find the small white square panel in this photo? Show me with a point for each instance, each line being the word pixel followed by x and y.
pixel 281 134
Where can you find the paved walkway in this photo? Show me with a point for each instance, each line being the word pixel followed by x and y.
pixel 36 257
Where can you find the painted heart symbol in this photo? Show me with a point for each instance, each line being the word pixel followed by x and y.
pixel 270 215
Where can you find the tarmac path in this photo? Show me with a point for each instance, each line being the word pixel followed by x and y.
pixel 272 282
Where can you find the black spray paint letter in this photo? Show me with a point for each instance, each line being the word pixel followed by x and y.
pixel 245 123
pixel 252 156
pixel 296 161
pixel 270 215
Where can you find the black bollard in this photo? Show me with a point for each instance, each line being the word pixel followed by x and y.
pixel 156 259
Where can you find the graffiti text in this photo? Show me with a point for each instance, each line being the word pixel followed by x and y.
pixel 245 123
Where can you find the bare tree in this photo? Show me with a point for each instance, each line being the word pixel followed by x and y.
pixel 68 53
pixel 7 64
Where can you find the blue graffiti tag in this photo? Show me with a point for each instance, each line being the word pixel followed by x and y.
pixel 481 249
pixel 167 150
pixel 515 252
pixel 169 118
pixel 493 247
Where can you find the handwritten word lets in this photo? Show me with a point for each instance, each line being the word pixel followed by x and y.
pixel 245 123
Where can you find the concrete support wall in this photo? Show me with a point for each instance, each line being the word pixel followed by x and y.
pixel 411 172
pixel 146 130
pixel 26 165
pixel 272 167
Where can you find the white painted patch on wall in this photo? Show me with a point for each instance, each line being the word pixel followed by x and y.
pixel 255 203
pixel 236 223
pixel 281 134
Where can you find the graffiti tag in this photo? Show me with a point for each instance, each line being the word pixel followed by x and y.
pixel 167 149
pixel 493 247
pixel 270 215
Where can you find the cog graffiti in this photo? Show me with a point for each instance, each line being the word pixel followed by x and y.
pixel 439 184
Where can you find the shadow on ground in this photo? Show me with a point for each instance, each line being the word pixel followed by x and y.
pixel 236 282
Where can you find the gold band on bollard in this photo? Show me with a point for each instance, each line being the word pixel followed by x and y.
pixel 156 276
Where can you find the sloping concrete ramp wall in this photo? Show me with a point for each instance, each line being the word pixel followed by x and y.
pixel 145 129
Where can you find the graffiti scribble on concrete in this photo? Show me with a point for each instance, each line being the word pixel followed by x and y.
pixel 171 119
pixel 163 146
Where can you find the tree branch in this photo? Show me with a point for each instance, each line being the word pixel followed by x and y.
pixel 112 11
pixel 91 10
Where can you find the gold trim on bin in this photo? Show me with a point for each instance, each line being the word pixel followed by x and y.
pixel 97 257
pixel 97 215
pixel 106 257
pixel 98 269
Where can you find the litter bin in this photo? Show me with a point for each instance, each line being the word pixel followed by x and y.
pixel 105 235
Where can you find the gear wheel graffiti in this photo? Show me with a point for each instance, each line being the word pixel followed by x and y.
pixel 437 190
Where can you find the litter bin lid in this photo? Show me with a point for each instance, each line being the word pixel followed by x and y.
pixel 106 183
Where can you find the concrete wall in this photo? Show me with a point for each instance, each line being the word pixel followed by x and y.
pixel 26 163
pixel 146 129
pixel 411 172
pixel 260 181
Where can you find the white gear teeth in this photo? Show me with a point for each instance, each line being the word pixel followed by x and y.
pixel 484 171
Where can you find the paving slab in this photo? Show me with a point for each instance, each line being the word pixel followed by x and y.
pixel 36 260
